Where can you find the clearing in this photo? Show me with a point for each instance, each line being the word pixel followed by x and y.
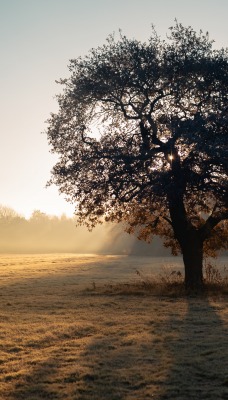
pixel 64 336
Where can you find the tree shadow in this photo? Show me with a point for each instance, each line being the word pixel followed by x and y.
pixel 200 355
pixel 175 355
pixel 189 362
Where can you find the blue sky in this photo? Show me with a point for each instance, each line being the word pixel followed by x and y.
pixel 37 40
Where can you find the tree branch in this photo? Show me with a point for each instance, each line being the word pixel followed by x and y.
pixel 211 223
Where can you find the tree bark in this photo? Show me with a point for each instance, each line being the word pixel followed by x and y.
pixel 191 243
pixel 192 250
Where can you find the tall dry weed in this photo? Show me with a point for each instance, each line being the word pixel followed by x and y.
pixel 170 282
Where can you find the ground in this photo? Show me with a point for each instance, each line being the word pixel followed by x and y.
pixel 64 334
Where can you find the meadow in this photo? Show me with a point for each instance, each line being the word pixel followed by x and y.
pixel 86 327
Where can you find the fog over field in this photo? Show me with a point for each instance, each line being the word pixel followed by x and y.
pixel 42 233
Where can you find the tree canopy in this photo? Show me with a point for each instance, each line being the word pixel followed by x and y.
pixel 141 135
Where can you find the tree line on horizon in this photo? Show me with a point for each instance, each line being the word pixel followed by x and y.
pixel 43 233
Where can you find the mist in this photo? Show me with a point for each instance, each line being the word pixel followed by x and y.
pixel 42 233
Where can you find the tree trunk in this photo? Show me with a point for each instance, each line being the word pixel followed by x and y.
pixel 190 240
pixel 192 249
pixel 191 244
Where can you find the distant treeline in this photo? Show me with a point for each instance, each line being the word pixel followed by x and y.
pixel 42 233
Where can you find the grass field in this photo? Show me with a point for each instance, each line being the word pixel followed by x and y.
pixel 64 334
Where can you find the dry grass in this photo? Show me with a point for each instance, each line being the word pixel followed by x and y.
pixel 170 283
pixel 61 341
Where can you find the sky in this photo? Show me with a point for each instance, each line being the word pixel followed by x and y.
pixel 38 38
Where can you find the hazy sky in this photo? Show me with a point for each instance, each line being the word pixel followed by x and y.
pixel 38 37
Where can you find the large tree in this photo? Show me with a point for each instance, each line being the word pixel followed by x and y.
pixel 141 135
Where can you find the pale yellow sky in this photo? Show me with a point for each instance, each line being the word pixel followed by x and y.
pixel 37 40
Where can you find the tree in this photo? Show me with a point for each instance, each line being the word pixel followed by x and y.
pixel 9 216
pixel 141 135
